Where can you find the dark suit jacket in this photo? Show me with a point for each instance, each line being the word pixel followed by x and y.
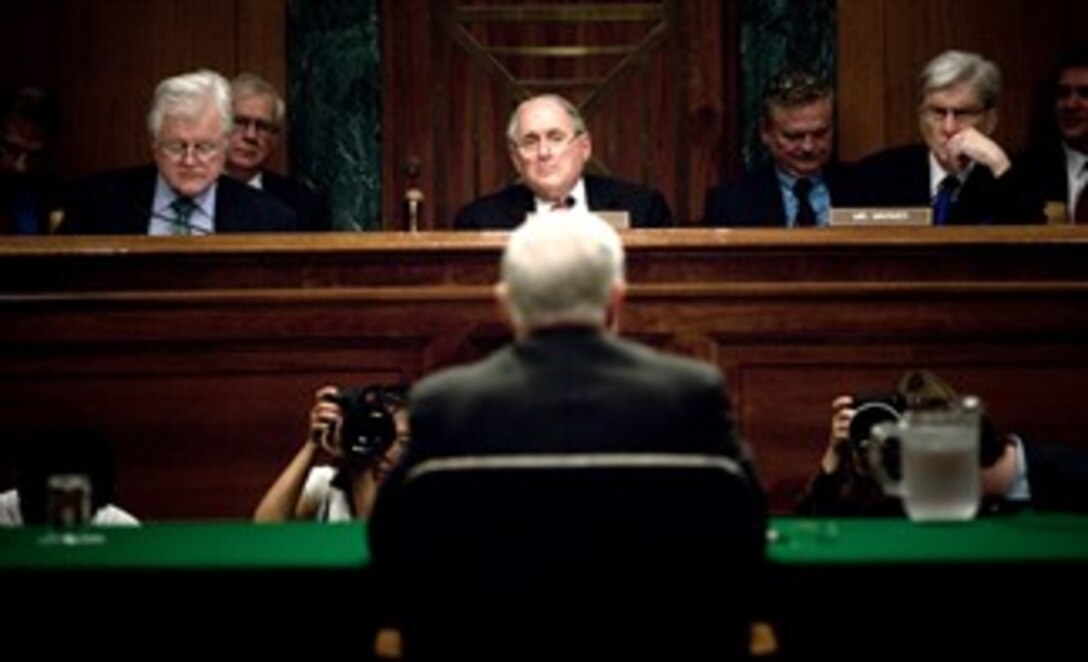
pixel 559 391
pixel 755 200
pixel 1045 171
pixel 309 205
pixel 570 390
pixel 507 208
pixel 119 202
pixel 1057 477
pixel 899 177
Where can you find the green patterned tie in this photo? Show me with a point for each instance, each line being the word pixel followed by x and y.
pixel 183 210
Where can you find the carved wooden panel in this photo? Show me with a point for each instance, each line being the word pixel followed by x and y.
pixel 647 76
pixel 199 357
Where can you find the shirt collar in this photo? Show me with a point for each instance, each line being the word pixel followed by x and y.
pixel 578 193
pixel 937 173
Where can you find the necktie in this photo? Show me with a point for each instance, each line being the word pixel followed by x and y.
pixel 564 204
pixel 946 195
pixel 183 210
pixel 806 215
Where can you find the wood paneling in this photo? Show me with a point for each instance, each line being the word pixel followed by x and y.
pixel 650 87
pixel 199 357
pixel 104 59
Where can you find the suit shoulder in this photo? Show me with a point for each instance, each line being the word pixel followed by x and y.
pixel 257 211
pixel 673 366
pixel 492 210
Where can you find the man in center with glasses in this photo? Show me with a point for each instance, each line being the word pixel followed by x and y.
pixel 549 146
pixel 185 192
pixel 960 171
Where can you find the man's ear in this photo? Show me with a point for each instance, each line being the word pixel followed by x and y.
pixel 615 306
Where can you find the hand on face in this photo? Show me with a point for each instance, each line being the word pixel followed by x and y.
pixel 969 145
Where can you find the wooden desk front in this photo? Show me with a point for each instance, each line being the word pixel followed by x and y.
pixel 199 356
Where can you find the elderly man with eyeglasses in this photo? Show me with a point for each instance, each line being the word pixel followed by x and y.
pixel 549 146
pixel 960 171
pixel 259 115
pixel 185 192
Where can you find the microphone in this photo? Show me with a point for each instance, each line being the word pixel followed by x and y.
pixel 413 197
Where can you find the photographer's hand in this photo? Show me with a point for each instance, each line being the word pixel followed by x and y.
pixel 326 419
pixel 842 410
pixel 285 499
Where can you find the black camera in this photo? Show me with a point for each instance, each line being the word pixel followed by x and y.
pixel 368 428
pixel 870 410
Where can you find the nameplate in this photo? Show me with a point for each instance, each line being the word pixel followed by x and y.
pixel 619 220
pixel 854 216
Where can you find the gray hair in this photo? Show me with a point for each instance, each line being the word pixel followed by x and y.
pixel 955 67
pixel 247 84
pixel 187 95
pixel 575 116
pixel 561 268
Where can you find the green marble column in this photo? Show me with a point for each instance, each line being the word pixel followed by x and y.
pixel 334 104
pixel 776 34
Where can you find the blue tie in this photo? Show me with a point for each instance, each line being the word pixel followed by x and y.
pixel 946 195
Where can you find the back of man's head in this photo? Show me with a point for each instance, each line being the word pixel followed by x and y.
pixel 563 268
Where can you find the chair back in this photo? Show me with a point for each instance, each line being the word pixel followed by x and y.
pixel 579 556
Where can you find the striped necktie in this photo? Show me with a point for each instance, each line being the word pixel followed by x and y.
pixel 183 210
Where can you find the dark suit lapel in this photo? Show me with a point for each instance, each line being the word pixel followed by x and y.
pixel 520 204
pixel 599 195
pixel 769 209
pixel 135 216
pixel 226 205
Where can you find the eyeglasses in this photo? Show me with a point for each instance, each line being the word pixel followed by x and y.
pixel 959 115
pixel 555 141
pixel 203 151
pixel 259 125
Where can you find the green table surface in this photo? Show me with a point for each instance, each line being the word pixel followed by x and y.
pixel 188 545
pixel 1026 538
